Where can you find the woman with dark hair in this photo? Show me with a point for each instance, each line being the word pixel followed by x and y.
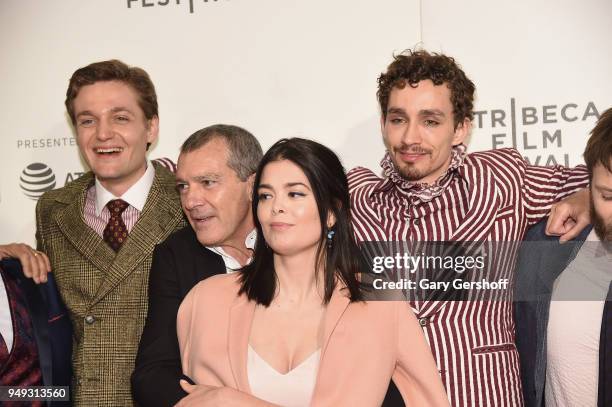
pixel 291 328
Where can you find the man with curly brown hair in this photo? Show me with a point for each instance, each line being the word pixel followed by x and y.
pixel 433 191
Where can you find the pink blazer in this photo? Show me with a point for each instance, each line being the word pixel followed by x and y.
pixel 365 345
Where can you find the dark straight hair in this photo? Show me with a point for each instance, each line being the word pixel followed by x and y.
pixel 329 185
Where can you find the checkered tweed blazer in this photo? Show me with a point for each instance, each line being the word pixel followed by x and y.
pixel 105 293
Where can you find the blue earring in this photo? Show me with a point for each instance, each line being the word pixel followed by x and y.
pixel 330 238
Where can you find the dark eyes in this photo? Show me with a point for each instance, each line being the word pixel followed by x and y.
pixel 207 183
pixel 426 122
pixel 262 196
pixel 90 122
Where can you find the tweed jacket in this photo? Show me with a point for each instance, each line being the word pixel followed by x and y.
pixel 105 292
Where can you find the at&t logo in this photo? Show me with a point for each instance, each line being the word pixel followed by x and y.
pixel 36 179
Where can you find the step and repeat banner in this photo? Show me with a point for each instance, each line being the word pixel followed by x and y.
pixel 542 69
pixel 284 68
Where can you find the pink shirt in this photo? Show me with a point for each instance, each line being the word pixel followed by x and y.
pixel 95 212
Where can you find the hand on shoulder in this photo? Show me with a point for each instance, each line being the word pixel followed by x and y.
pixel 35 264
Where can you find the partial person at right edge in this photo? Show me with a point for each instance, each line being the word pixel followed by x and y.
pixel 563 311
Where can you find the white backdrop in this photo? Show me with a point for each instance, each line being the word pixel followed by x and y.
pixel 552 57
pixel 283 68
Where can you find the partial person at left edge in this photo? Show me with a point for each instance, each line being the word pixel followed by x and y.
pixel 35 331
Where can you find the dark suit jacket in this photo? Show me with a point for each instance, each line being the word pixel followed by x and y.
pixel 51 324
pixel 179 263
pixel 538 267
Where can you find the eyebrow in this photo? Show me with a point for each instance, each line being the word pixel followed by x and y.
pixel 424 112
pixel 113 110
pixel 287 185
pixel 121 109
pixel 207 176
pixel 431 112
pixel 199 178
pixel 396 110
pixel 84 113
pixel 603 188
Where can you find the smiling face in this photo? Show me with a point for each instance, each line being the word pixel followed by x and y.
pixel 419 132
pixel 112 133
pixel 601 202
pixel 287 209
pixel 217 203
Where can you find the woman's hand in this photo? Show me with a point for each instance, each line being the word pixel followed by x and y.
pixel 213 396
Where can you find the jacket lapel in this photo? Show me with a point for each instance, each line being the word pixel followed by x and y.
pixel 239 331
pixel 336 307
pixel 71 223
pixel 482 204
pixel 338 304
pixel 557 259
pixel 38 314
pixel 160 216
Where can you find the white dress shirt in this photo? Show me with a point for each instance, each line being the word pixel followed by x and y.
pixel 136 195
pixel 574 327
pixel 231 264
pixel 97 215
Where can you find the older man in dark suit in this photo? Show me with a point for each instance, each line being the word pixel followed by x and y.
pixel 214 179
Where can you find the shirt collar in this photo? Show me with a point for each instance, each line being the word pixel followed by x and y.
pixel 136 195
pixel 424 192
pixel 230 262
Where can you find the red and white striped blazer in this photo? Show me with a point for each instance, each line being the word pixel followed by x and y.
pixel 492 196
